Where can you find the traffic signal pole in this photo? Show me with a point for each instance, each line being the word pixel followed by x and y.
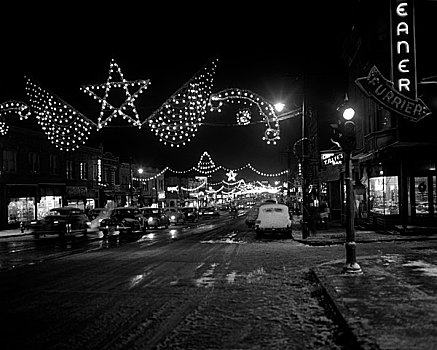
pixel 351 265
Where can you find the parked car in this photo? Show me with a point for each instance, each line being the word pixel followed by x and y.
pixel 191 214
pixel 96 215
pixel 154 217
pixel 251 216
pixel 209 212
pixel 175 215
pixel 273 218
pixel 61 221
pixel 124 220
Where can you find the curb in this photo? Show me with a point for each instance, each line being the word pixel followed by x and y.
pixel 360 339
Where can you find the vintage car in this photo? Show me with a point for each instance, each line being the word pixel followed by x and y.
pixel 121 220
pixel 154 217
pixel 175 214
pixel 191 214
pixel 209 212
pixel 62 221
pixel 272 219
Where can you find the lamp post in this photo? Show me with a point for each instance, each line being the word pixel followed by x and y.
pixel 305 215
pixel 345 135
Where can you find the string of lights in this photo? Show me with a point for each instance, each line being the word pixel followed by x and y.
pixel 249 99
pixel 12 107
pixel 64 126
pixel 206 165
pixel 176 122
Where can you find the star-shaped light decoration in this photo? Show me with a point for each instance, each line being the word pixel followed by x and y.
pixel 127 109
pixel 231 175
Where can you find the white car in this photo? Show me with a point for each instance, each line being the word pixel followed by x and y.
pixel 273 218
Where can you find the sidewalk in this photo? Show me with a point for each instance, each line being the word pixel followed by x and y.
pixel 393 303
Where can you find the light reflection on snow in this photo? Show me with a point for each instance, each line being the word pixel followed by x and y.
pixel 424 267
pixel 206 280
pixel 230 277
pixel 173 233
pixel 134 281
pixel 228 239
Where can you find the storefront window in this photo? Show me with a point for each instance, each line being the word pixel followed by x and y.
pixel 434 194
pixel 46 203
pixel 384 195
pixel 21 209
pixel 421 195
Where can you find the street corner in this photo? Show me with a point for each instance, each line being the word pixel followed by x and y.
pixel 386 303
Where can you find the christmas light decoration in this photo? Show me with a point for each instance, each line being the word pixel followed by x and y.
pixel 243 117
pixel 205 164
pixel 176 122
pixel 11 107
pixel 65 127
pixel 249 99
pixel 231 175
pixel 127 108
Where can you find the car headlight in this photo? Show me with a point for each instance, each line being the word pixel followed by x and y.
pixel 55 222
pixel 150 219
pixel 173 217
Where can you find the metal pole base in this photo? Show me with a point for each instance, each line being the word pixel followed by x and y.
pixel 352 269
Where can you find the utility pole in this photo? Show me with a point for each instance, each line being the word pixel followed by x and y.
pixel 305 218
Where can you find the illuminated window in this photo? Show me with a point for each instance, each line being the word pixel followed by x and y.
pixel 69 168
pixel 384 195
pixel 83 170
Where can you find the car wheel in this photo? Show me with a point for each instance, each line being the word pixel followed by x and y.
pixel 259 234
pixel 105 232
pixel 36 235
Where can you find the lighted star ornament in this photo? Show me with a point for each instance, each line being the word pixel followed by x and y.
pixel 127 110
pixel 231 175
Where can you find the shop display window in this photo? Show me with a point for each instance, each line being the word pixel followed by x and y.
pixel 421 195
pixel 21 210
pixel 46 203
pixel 434 194
pixel 384 195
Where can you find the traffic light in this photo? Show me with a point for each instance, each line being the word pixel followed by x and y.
pixel 349 139
pixel 344 134
pixel 337 133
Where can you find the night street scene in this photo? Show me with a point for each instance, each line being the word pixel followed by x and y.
pixel 218 175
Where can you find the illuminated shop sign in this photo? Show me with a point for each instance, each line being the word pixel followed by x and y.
pixel 403 47
pixel 383 92
pixel 400 94
pixel 332 158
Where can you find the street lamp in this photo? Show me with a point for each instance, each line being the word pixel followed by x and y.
pixel 344 134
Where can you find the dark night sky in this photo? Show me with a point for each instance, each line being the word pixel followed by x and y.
pixel 260 49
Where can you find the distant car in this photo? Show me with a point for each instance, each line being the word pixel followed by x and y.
pixel 175 215
pixel 209 212
pixel 191 214
pixel 61 221
pixel 154 217
pixel 124 220
pixel 273 218
pixel 96 215
pixel 251 216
